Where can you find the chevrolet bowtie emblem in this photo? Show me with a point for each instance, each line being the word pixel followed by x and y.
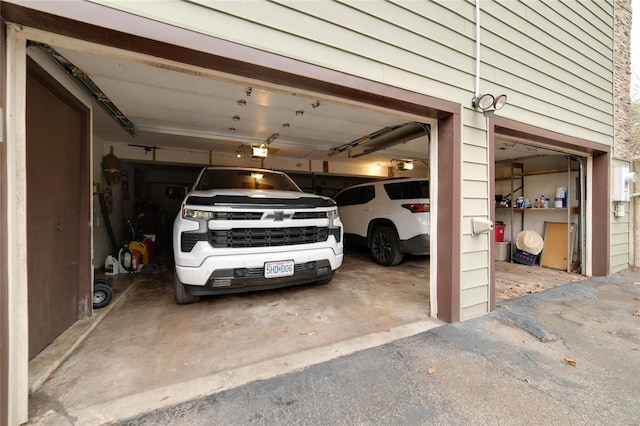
pixel 277 216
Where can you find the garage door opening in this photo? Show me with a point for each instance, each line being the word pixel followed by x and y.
pixel 540 218
pixel 364 305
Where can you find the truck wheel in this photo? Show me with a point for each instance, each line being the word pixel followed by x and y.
pixel 385 248
pixel 181 296
pixel 102 295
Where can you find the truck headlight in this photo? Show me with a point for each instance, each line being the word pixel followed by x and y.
pixel 196 214
pixel 332 215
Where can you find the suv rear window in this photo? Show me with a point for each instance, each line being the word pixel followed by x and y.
pixel 357 195
pixel 407 190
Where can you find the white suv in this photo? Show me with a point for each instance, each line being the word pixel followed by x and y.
pixel 245 229
pixel 391 217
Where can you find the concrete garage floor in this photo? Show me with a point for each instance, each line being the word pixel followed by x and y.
pixel 144 352
pixel 146 346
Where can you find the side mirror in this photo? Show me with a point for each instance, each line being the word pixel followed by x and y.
pixel 175 192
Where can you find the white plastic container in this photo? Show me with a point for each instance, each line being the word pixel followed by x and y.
pixel 111 266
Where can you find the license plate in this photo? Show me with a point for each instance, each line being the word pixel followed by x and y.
pixel 282 268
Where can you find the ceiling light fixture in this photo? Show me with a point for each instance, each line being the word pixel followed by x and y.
pixel 242 102
pixel 488 103
pixel 405 165
pixel 236 118
pixel 299 112
pixel 286 125
pixel 263 150
pixel 248 91
pixel 316 104
pixel 259 151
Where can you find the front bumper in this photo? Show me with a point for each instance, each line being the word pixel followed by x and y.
pixel 239 280
pixel 244 269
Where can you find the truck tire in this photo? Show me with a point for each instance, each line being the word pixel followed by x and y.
pixel 181 296
pixel 384 247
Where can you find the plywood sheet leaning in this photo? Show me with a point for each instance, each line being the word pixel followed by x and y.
pixel 557 237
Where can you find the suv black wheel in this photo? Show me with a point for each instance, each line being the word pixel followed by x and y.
pixel 181 296
pixel 385 248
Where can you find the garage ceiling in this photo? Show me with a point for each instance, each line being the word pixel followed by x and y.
pixel 190 108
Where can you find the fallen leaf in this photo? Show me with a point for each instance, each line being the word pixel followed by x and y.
pixel 637 298
pixel 295 314
pixel 637 313
pixel 223 324
pixel 570 361
pixel 310 333
pixel 383 330
pixel 275 304
pixel 431 370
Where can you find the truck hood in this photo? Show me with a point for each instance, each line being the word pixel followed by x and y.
pixel 257 198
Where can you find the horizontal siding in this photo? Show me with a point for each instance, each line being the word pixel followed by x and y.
pixel 475 278
pixel 620 244
pixel 619 263
pixel 473 311
pixel 475 207
pixel 475 171
pixel 474 154
pixel 475 243
pixel 474 264
pixel 620 239
pixel 474 296
pixel 475 189
pixel 557 60
pixel 620 250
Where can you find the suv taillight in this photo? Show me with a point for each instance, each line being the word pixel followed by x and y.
pixel 417 208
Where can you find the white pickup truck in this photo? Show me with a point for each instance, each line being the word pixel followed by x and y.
pixel 243 229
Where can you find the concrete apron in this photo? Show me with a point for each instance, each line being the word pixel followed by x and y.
pixel 144 352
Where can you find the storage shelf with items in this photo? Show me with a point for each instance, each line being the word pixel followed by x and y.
pixel 520 185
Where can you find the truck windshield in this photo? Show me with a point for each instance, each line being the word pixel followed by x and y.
pixel 245 179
